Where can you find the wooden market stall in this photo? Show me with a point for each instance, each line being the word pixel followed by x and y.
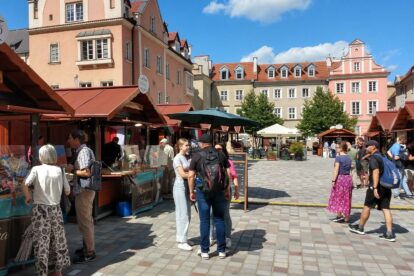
pixel 23 96
pixel 335 134
pixel 101 112
pixel 403 123
pixel 380 128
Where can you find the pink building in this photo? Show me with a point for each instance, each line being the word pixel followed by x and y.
pixel 360 83
pixel 89 43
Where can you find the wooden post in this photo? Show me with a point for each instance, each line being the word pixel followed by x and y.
pixel 34 137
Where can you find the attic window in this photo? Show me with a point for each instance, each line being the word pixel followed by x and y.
pixel 239 73
pixel 298 72
pixel 311 71
pixel 224 74
pixel 271 73
pixel 35 10
pixel 284 72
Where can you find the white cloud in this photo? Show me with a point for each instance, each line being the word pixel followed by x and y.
pixel 266 11
pixel 265 54
pixel 391 68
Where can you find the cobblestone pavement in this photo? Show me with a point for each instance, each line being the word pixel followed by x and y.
pixel 267 240
pixel 299 182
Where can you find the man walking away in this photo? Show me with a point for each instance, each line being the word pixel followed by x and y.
pixel 208 171
pixel 395 153
pixel 333 149
pixel 376 195
pixel 83 196
pixel 352 153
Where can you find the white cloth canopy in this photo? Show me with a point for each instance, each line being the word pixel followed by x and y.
pixel 277 130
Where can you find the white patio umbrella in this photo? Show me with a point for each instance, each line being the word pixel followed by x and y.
pixel 277 130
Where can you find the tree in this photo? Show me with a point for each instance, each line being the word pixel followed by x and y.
pixel 323 111
pixel 259 109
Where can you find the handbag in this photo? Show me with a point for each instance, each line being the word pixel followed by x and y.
pixel 65 204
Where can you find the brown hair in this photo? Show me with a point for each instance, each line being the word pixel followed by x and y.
pixel 344 146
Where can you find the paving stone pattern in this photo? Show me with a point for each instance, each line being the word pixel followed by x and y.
pixel 267 240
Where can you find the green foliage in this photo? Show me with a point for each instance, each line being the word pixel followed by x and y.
pixel 259 109
pixel 323 111
pixel 296 148
pixel 271 154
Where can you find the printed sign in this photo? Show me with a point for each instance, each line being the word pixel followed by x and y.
pixel 143 84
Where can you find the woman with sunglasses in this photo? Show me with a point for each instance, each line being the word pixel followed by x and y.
pixel 233 176
pixel 341 192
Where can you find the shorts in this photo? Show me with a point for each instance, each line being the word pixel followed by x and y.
pixel 382 203
pixel 363 168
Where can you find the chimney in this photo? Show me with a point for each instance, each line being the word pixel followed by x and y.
pixel 328 61
pixel 255 67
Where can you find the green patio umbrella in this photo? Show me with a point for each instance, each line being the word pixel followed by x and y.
pixel 212 116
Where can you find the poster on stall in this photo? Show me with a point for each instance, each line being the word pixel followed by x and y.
pixel 155 156
pixel 13 167
pixel 131 154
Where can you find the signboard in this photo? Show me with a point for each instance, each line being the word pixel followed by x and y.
pixel 146 190
pixel 240 164
pixel 4 31
pixel 143 84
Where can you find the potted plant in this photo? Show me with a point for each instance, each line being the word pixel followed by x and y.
pixel 271 155
pixel 297 149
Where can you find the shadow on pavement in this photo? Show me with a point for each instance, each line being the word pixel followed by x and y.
pixel 266 193
pixel 398 229
pixel 250 240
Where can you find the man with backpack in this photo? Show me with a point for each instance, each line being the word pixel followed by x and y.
pixel 398 155
pixel 84 195
pixel 377 195
pixel 208 174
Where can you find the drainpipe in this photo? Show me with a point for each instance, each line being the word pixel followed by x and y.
pixel 132 54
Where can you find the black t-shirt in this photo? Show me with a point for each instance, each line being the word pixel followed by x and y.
pixel 111 151
pixel 195 160
pixel 375 162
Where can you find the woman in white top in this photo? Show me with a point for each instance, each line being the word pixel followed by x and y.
pixel 49 241
pixel 180 194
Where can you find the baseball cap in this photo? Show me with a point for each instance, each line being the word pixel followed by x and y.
pixel 205 138
pixel 164 140
pixel 372 143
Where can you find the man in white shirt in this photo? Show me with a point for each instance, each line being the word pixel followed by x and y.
pixel 169 152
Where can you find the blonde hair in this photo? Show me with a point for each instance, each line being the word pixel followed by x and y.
pixel 48 155
pixel 181 142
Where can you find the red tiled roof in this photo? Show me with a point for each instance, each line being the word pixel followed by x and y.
pixel 137 5
pixel 321 71
pixel 335 65
pixel 106 102
pixel 247 66
pixel 173 36
pixel 404 116
pixel 173 108
pixel 184 43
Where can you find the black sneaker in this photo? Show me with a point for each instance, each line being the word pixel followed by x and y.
pixel 354 228
pixel 339 219
pixel 390 238
pixel 84 258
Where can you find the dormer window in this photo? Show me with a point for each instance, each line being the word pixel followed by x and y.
pixel 224 74
pixel 311 71
pixel 152 24
pixel 271 73
pixel 177 46
pixel 298 71
pixel 239 73
pixel 284 72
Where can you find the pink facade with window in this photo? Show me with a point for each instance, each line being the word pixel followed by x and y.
pixel 89 43
pixel 360 83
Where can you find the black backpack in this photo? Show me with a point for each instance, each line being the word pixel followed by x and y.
pixel 212 171
pixel 95 180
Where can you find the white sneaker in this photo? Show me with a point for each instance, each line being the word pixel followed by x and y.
pixel 205 256
pixel 228 242
pixel 185 246
pixel 222 255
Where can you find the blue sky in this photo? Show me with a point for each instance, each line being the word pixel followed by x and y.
pixel 282 30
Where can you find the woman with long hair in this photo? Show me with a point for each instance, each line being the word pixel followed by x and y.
pixel 341 192
pixel 49 240
pixel 181 195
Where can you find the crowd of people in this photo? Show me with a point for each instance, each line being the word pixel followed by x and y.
pixel 365 164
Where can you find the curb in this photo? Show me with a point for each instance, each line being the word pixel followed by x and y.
pixel 316 205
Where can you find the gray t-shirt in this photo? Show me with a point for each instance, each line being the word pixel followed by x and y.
pixel 180 161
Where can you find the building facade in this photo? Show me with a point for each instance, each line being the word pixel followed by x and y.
pixel 404 90
pixel 286 85
pixel 89 43
pixel 359 83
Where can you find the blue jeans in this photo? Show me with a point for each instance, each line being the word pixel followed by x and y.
pixel 217 202
pixel 404 185
pixel 227 221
